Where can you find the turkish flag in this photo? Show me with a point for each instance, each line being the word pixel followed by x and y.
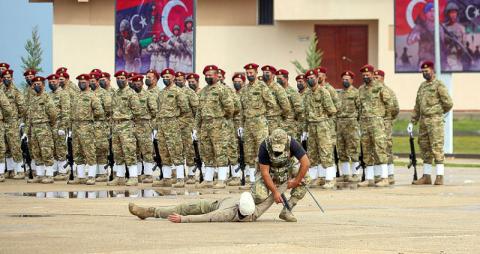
pixel 408 11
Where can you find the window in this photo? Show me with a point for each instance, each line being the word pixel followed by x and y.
pixel 265 12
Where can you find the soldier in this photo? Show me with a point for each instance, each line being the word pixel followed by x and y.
pixel 278 159
pixel 104 83
pixel 65 81
pixel 389 119
pixel 302 88
pixel 40 117
pixel 317 129
pixel 238 83
pixel 186 123
pixel 255 97
pixel 375 103
pixel 278 111
pixel 348 135
pixel 130 76
pixel 296 114
pixel 102 126
pixel 12 135
pixel 432 102
pixel 187 43
pixel 86 109
pixel 172 102
pixel 175 44
pixel 144 128
pixel 158 51
pixel 28 92
pixel 61 101
pixel 6 111
pixel 192 79
pixel 3 67
pixel 126 107
pixel 216 105
pixel 221 76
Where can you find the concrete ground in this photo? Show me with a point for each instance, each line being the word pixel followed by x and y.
pixel 399 219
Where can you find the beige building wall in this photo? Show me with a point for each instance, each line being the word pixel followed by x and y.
pixel 227 35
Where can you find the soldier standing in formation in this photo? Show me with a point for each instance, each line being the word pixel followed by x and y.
pixel 278 111
pixel 296 113
pixel 5 114
pixel 192 79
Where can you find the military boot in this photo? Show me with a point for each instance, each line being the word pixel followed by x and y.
pixel 132 181
pixel 148 179
pixel 19 176
pixel 247 186
pixel 117 181
pixel 382 183
pixel 314 183
pixel 219 185
pixel 355 179
pixel 77 181
pixel 165 182
pixel 377 179
pixel 287 215
pixel 235 181
pixel 330 185
pixel 9 174
pixel 179 184
pixel 141 212
pixel 90 180
pixel 2 178
pixel 140 178
pixel 205 185
pixel 191 180
pixel 101 178
pixel 36 179
pixel 391 179
pixel 367 183
pixel 321 181
pixel 425 179
pixel 48 180
pixel 60 177
pixel 439 180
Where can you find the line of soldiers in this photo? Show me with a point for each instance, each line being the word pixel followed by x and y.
pixel 100 120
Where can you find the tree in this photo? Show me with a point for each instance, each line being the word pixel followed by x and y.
pixel 34 52
pixel 314 57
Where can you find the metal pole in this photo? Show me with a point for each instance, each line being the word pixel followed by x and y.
pixel 446 78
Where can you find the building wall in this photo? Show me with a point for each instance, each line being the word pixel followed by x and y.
pixel 227 35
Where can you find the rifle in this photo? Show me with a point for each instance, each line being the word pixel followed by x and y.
pixel 335 156
pixel 27 159
pixel 110 158
pixel 241 159
pixel 304 144
pixel 198 159
pixel 69 154
pixel 285 202
pixel 157 158
pixel 362 163
pixel 413 157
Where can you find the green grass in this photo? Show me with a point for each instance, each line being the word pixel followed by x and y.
pixel 466 126
pixel 461 144
pixel 450 165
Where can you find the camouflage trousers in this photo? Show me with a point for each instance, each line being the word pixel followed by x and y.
pixel 214 142
pixel 143 132
pixel 373 141
pixel 12 139
pixel 186 128
pixel 169 141
pixel 348 139
pixel 232 147
pixel 41 144
pixel 333 129
pixel 274 122
pixel 102 131
pixel 389 139
pixel 60 145
pixel 123 143
pixel 431 139
pixel 83 143
pixel 195 207
pixel 255 132
pixel 319 145
pixel 291 127
pixel 2 141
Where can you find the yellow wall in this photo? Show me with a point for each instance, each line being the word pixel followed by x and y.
pixel 83 37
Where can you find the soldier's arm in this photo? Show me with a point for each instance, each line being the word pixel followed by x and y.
pixel 445 98
pixel 387 101
pixel 182 102
pixel 297 106
pixel 416 108
pixel 334 95
pixel 134 104
pixel 51 110
pixel 98 111
pixel 7 108
pixel 262 207
pixel 227 103
pixel 194 102
pixel 152 105
pixel 21 106
pixel 328 103
pixel 283 101
pixel 64 112
pixel 267 96
pixel 395 106
pixel 108 105
pixel 198 115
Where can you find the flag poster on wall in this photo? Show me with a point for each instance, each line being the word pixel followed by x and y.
pixel 154 34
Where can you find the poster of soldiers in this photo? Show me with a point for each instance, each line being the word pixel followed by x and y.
pixel 154 34
pixel 459 34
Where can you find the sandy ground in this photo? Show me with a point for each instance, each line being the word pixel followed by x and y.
pixel 399 219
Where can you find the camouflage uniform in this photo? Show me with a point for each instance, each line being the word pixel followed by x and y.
pixel 389 120
pixel 186 123
pixel 62 104
pixel 319 108
pixel 40 117
pixel 102 130
pixel 232 125
pixel 280 108
pixel 334 95
pixel 375 104
pixel 300 122
pixel 255 98
pixel 12 135
pixel 431 103
pixel 6 110
pixel 216 105
pixel 295 116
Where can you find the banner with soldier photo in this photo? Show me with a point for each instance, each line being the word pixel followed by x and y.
pixel 154 34
pixel 459 34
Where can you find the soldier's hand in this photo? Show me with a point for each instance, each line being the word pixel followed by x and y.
pixel 304 136
pixel 21 125
pixel 277 196
pixel 61 132
pixel 154 134
pixel 175 218
pixel 410 128
pixel 240 132
pixel 24 137
pixel 194 135
pixel 293 184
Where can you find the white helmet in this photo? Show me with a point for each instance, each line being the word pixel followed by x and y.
pixel 246 204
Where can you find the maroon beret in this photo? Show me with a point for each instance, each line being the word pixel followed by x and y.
pixel 61 69
pixel 348 73
pixel 300 77
pixel 251 66
pixel 311 72
pixel 52 77
pixel 367 68
pixel 155 73
pixel 29 72
pixel 240 76
pixel 210 68
pixel 63 74
pixel 321 69
pixel 38 78
pixel 269 68
pixel 167 71
pixel 194 76
pixel 427 64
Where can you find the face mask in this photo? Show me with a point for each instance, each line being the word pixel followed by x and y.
pixel 93 86
pixel 148 82
pixel 266 77
pixel 167 82
pixel 37 88
pixel 103 84
pixel 52 87
pixel 427 76
pixel 346 84
pixel 251 78
pixel 280 82
pixel 179 84
pixel 62 84
pixel 237 86
pixel 7 82
pixel 29 82
pixel 209 81
pixel 320 80
pixel 300 86
pixel 82 86
pixel 192 86
pixel 311 82
pixel 367 80
pixel 121 84
pixel 130 84
pixel 137 89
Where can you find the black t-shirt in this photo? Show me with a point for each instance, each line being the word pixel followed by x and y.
pixel 296 150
